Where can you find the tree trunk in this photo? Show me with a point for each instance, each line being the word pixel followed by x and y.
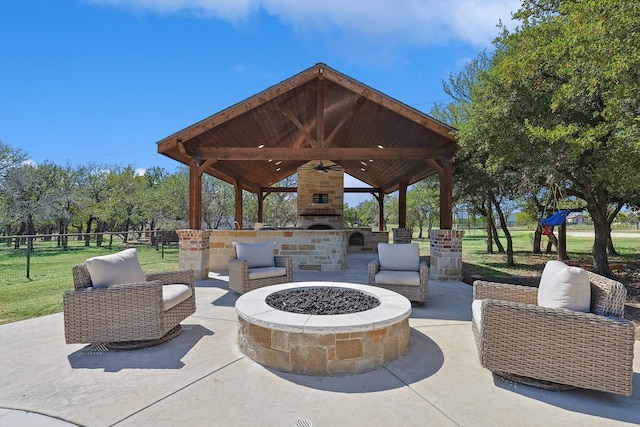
pixel 126 230
pixel 537 240
pixel 610 248
pixel 562 242
pixel 99 229
pixel 489 229
pixel 507 234
pixel 87 237
pixel 496 238
pixel 602 235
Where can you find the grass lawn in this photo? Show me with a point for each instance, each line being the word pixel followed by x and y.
pixel 50 275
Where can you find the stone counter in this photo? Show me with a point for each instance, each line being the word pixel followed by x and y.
pixel 320 250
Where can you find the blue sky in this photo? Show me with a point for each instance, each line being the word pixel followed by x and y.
pixel 105 80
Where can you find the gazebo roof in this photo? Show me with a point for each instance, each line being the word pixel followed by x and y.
pixel 316 114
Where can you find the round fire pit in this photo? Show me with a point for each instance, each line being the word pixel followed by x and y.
pixel 323 344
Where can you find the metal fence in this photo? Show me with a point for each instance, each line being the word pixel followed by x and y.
pixel 26 258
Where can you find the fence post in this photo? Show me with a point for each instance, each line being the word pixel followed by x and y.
pixel 29 249
pixel 162 243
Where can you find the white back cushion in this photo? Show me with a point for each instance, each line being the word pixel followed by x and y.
pixel 256 254
pixel 118 268
pixel 399 257
pixel 562 286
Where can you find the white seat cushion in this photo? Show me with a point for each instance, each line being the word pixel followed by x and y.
pixel 264 272
pixel 256 254
pixel 114 269
pixel 404 278
pixel 173 295
pixel 562 286
pixel 476 312
pixel 399 257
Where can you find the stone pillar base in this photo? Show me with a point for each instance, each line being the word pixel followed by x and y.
pixel 194 252
pixel 446 255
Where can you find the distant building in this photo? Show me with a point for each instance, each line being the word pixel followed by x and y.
pixel 576 219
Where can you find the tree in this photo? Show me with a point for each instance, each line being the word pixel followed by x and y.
pixel 423 204
pixel 280 209
pixel 482 180
pixel 217 202
pixel 575 66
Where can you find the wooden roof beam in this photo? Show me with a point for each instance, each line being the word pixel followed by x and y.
pixel 329 153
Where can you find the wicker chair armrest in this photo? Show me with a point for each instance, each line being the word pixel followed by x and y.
pixel 505 292
pixel 137 296
pixel 283 261
pixel 185 276
pixel 238 265
pixel 533 327
pixel 424 272
pixel 373 268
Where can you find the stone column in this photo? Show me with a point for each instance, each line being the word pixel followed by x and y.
pixel 446 255
pixel 194 251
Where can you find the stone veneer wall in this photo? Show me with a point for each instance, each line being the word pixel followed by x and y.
pixel 310 182
pixel 371 239
pixel 321 250
pixel 323 354
pixel 194 251
pixel 446 255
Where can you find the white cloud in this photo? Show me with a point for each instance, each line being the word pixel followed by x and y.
pixel 230 10
pixel 140 171
pixel 417 22
pixel 30 162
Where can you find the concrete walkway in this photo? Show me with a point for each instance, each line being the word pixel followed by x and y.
pixel 201 378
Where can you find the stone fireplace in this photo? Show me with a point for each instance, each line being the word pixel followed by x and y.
pixel 320 197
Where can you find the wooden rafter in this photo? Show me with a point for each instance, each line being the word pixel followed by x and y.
pixel 329 153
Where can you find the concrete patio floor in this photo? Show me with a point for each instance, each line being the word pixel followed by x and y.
pixel 202 379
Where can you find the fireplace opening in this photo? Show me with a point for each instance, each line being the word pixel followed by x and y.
pixel 320 227
pixel 356 239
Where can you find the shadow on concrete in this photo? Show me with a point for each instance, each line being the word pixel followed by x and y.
pixel 167 355
pixel 422 352
pixel 227 300
pixel 590 402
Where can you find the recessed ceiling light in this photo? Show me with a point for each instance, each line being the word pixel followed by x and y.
pixel 261 146
pixel 380 146
pixel 363 163
pixel 278 162
pixel 371 160
pixel 270 160
pixel 277 169
pixel 363 169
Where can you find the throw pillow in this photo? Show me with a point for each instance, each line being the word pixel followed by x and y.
pixel 399 256
pixel 563 286
pixel 256 254
pixel 114 269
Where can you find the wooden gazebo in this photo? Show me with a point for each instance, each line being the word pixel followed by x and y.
pixel 316 114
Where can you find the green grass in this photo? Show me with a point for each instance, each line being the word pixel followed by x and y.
pixel 475 256
pixel 50 275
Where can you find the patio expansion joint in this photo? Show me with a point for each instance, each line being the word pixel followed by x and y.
pixel 176 391
pixel 421 397
pixel 217 319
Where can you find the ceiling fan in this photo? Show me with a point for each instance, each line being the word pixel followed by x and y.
pixel 322 168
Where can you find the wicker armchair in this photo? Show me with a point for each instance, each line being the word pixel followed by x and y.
pixel 551 347
pixel 255 266
pixel 141 314
pixel 401 269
